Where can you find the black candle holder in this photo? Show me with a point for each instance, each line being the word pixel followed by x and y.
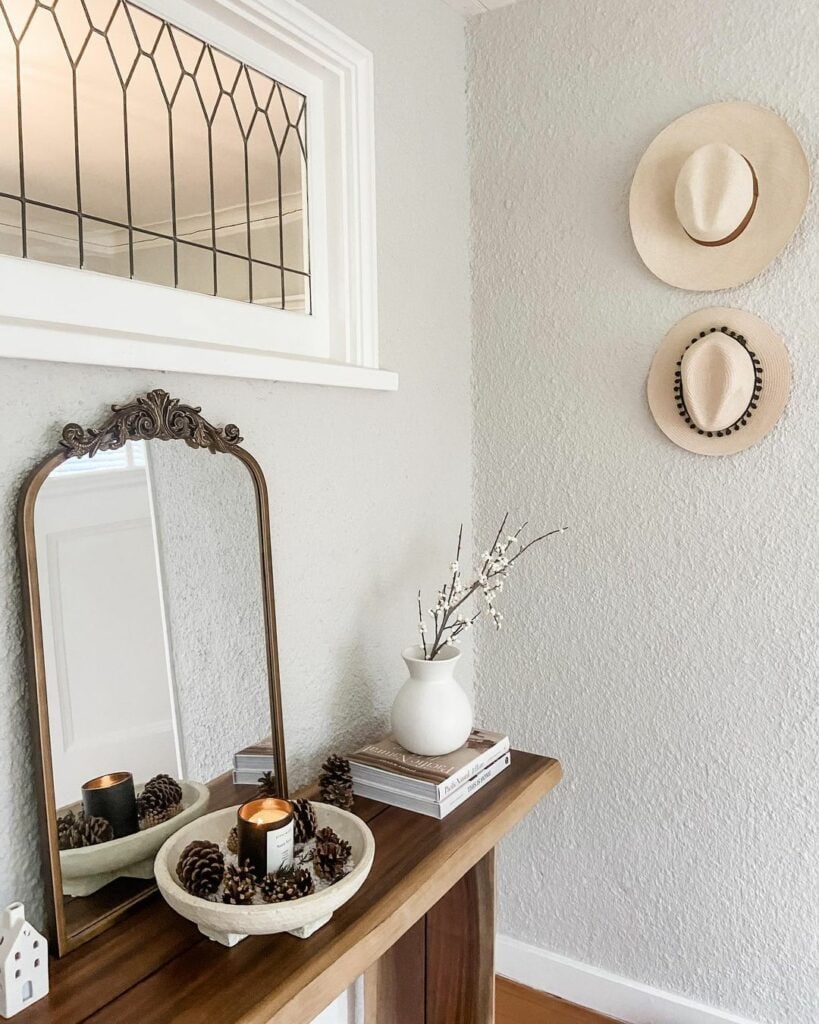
pixel 266 845
pixel 112 797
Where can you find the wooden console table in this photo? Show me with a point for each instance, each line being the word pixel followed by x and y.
pixel 421 930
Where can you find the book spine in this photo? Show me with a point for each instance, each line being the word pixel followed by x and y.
pixel 448 786
pixel 472 787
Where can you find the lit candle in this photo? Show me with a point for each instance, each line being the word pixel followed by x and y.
pixel 265 828
pixel 112 797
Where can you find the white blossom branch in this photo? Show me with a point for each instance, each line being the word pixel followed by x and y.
pixel 495 564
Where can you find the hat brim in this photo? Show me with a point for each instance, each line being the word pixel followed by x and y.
pixel 762 340
pixel 779 162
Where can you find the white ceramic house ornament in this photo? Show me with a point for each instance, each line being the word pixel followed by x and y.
pixel 23 962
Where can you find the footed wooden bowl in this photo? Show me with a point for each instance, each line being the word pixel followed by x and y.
pixel 88 869
pixel 230 924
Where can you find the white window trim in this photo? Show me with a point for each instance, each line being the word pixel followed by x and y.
pixel 68 315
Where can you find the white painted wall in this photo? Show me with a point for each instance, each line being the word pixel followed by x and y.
pixel 215 621
pixel 365 496
pixel 666 649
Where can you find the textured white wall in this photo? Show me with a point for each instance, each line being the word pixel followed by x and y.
pixel 666 649
pixel 366 488
pixel 214 604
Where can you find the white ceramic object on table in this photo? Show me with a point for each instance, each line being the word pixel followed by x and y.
pixel 229 924
pixel 431 714
pixel 23 962
pixel 88 869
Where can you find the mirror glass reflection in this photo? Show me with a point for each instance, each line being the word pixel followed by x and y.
pixel 151 597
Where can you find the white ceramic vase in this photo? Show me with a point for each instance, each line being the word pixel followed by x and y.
pixel 431 714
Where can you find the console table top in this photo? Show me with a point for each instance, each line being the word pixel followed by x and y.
pixel 154 967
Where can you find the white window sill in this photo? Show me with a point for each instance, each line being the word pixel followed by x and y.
pixel 63 343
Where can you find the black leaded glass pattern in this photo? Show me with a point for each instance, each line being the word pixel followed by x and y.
pixel 130 147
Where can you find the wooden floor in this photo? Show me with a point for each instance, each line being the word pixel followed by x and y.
pixel 518 1005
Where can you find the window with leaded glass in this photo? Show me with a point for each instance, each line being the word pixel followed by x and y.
pixel 133 148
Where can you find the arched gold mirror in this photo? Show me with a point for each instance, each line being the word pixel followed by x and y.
pixel 148 591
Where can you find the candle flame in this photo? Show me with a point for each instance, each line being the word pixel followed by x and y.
pixel 267 817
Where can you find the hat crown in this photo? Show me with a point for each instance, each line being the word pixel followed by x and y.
pixel 714 192
pixel 718 380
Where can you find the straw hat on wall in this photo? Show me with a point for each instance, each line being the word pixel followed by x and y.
pixel 717 195
pixel 719 381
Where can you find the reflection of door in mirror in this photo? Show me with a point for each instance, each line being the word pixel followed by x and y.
pixel 110 699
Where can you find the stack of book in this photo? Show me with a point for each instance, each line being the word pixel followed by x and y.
pixel 435 786
pixel 251 762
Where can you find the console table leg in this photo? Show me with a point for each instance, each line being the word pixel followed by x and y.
pixel 394 985
pixel 442 971
pixel 460 950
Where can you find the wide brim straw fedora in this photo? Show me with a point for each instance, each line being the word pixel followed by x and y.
pixel 781 187
pixel 719 381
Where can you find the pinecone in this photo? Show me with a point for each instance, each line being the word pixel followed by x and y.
pixel 151 809
pixel 160 799
pixel 76 830
pixel 336 783
pixel 200 868
pixel 304 821
pixel 239 885
pixel 267 785
pixel 331 855
pixel 95 831
pixel 287 884
pixel 233 840
pixel 165 784
pixel 65 830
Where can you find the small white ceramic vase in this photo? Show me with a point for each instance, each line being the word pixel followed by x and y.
pixel 431 714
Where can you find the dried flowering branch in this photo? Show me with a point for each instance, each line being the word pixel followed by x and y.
pixel 448 623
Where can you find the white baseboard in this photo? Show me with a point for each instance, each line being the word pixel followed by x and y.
pixel 617 997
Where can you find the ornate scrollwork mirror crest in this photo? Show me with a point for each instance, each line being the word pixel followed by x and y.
pixel 155 416
pixel 151 637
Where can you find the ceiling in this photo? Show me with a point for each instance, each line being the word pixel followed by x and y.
pixel 470 7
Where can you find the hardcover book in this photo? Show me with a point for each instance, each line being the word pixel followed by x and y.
pixel 387 764
pixel 248 776
pixel 435 808
pixel 257 757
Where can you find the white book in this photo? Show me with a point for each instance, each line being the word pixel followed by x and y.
pixel 258 764
pixel 257 757
pixel 434 808
pixel 387 764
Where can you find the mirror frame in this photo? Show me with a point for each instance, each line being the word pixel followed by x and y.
pixel 154 416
